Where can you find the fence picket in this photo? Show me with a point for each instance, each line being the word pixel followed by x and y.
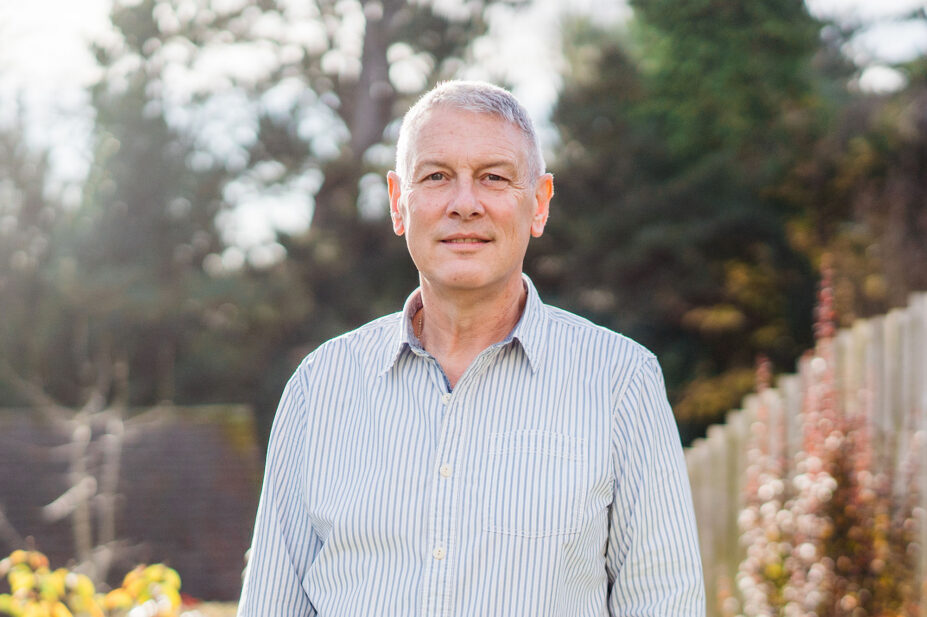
pixel 881 371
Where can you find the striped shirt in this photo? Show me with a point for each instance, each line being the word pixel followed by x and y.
pixel 549 481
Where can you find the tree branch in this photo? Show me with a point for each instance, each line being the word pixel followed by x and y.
pixel 35 394
pixel 8 533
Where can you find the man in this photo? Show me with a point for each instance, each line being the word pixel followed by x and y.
pixel 480 453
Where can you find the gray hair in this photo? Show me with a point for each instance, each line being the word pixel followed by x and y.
pixel 475 96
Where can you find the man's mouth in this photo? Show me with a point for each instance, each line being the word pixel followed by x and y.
pixel 465 240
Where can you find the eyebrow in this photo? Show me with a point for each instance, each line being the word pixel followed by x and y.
pixel 505 163
pixel 427 163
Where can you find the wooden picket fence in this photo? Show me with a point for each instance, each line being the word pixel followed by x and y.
pixel 880 366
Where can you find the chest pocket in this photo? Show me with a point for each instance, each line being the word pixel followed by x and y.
pixel 535 484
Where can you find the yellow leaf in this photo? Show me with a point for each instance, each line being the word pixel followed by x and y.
pixel 132 576
pixel 37 560
pixel 172 578
pixel 60 610
pixel 21 579
pixel 117 599
pixel 172 595
pixel 136 587
pixel 773 571
pixel 155 572
pixel 84 586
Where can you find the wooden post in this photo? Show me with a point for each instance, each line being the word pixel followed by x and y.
pixel 719 507
pixel 738 430
pixel 893 399
pixel 875 353
pixel 917 310
pixel 697 463
pixel 918 368
pixel 843 374
pixel 881 371
pixel 789 387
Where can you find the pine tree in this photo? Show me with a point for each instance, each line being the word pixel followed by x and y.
pixel 674 135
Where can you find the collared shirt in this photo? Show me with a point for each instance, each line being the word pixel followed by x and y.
pixel 549 482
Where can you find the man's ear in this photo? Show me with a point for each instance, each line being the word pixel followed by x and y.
pixel 393 184
pixel 542 196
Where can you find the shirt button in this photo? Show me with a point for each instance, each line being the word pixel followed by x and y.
pixel 445 470
pixel 438 553
pixel 445 398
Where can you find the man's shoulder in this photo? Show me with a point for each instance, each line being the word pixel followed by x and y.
pixel 567 326
pixel 362 347
pixel 380 330
pixel 603 353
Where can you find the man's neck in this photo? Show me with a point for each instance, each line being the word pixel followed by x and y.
pixel 456 327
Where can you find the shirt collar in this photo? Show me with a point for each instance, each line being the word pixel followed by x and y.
pixel 529 331
pixel 531 328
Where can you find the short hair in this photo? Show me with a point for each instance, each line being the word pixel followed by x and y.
pixel 475 96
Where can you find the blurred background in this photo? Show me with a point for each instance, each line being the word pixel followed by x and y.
pixel 193 197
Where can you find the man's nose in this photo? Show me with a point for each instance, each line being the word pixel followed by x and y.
pixel 465 202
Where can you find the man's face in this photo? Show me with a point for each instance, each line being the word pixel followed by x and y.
pixel 467 209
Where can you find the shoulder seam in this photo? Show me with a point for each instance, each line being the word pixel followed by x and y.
pixel 635 375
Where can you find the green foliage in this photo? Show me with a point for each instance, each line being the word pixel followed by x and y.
pixel 673 136
pixel 858 196
pixel 139 277
pixel 702 397
pixel 709 153
pixel 28 290
pixel 728 75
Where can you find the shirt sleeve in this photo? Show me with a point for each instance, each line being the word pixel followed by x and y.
pixel 284 543
pixel 652 557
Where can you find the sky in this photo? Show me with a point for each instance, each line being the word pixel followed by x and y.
pixel 43 41
pixel 46 63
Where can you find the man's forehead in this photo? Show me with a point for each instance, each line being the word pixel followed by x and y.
pixel 450 131
pixel 445 117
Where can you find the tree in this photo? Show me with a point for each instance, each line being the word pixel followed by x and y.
pixel 319 125
pixel 349 261
pixel 674 133
pixel 147 272
pixel 32 217
pixel 99 297
pixel 862 184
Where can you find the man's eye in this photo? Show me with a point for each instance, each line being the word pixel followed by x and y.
pixel 435 177
pixel 494 178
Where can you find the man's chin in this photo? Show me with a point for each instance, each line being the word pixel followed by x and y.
pixel 466 280
pixel 459 282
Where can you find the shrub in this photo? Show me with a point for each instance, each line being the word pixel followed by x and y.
pixel 828 533
pixel 35 590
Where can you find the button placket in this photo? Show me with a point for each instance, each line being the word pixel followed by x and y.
pixel 444 490
pixel 444 501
